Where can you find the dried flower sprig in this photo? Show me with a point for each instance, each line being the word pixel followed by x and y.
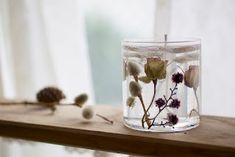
pixel 155 69
pixel 50 97
pixel 171 102
pixel 47 97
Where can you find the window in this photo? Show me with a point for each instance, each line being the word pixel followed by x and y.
pixel 107 24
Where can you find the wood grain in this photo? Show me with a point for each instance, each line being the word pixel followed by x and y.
pixel 214 137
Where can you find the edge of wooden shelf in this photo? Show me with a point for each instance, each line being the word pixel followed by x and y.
pixel 214 137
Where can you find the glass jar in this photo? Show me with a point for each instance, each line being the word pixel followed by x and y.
pixel 161 85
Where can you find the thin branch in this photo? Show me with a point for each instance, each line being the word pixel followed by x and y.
pixel 33 103
pixel 154 94
pixel 143 106
pixel 195 93
pixel 104 118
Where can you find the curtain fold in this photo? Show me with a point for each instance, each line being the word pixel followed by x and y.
pixel 42 43
pixel 213 22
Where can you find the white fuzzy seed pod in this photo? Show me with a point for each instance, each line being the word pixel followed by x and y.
pixel 81 99
pixel 135 89
pixel 88 112
pixel 133 68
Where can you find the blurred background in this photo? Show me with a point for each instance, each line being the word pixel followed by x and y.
pixel 76 45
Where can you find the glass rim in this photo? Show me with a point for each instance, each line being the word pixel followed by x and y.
pixel 153 41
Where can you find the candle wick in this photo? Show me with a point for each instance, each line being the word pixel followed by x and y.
pixel 165 37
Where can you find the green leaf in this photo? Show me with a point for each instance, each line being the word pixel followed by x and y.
pixel 145 79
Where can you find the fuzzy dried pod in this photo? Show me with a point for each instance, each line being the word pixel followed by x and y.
pixel 130 101
pixel 191 76
pixel 81 99
pixel 50 95
pixel 88 112
pixel 133 68
pixel 135 88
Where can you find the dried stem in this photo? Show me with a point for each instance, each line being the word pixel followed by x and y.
pixel 143 106
pixel 195 93
pixel 145 118
pixel 136 78
pixel 195 110
pixel 140 98
pixel 161 124
pixel 51 106
pixel 104 118
pixel 34 103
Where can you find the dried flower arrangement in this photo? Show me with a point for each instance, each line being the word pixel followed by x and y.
pixel 155 69
pixel 50 97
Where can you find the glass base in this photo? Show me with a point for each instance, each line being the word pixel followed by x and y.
pixel 184 124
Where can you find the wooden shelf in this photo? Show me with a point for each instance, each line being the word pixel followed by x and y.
pixel 214 137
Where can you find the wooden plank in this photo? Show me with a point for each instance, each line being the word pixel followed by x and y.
pixel 214 137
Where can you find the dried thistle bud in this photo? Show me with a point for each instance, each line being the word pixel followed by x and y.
pixel 191 76
pixel 81 99
pixel 177 77
pixel 88 112
pixel 135 89
pixel 172 118
pixel 50 95
pixel 130 101
pixel 133 68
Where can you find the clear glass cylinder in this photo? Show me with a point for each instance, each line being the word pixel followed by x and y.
pixel 161 85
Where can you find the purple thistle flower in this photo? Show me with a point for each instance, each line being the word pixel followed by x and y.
pixel 175 103
pixel 172 118
pixel 160 102
pixel 177 77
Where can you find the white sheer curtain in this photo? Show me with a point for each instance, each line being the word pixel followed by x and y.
pixel 213 22
pixel 41 43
